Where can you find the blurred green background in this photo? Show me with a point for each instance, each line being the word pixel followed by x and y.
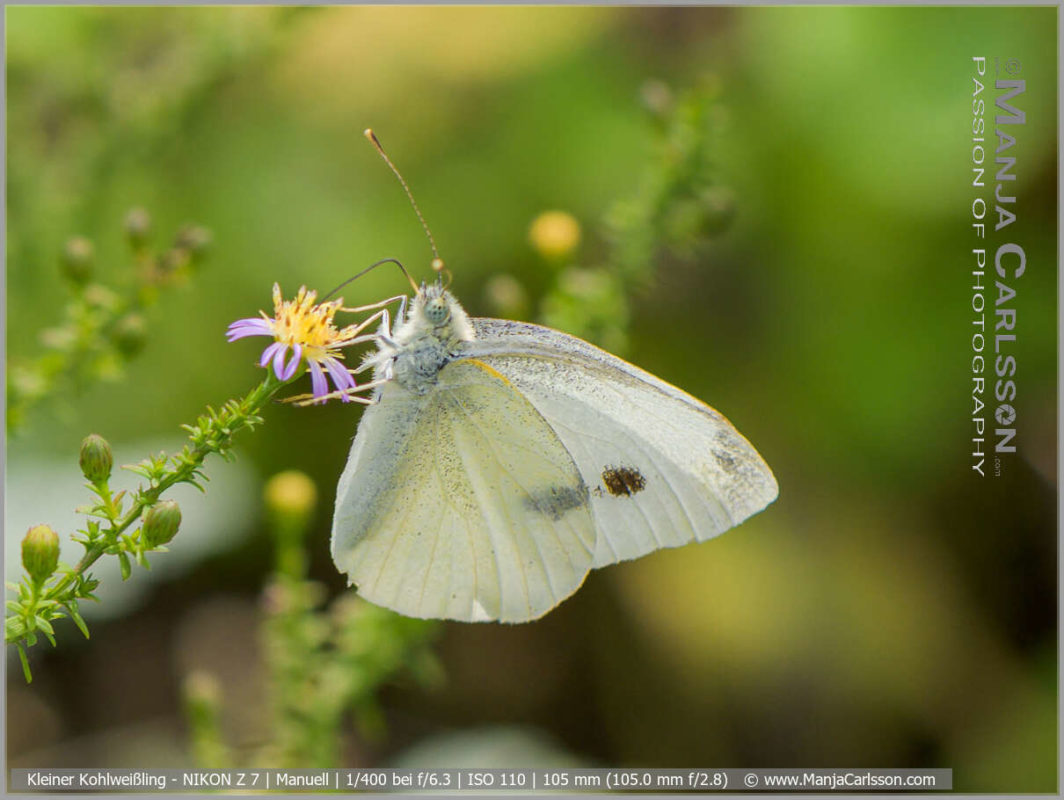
pixel 888 610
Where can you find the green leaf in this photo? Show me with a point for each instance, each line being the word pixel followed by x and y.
pixel 123 562
pixel 86 584
pixel 25 664
pixel 14 606
pixel 14 628
pixel 72 608
pixel 44 625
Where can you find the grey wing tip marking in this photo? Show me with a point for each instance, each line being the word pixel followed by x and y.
pixel 753 491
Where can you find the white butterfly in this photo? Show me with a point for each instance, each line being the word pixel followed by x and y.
pixel 500 462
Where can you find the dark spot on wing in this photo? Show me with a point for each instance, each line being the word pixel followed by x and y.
pixel 554 501
pixel 623 481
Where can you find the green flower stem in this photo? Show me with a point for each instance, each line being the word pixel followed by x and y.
pixel 212 433
pixel 242 418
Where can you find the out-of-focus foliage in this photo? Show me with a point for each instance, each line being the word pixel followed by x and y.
pixel 889 609
pixel 322 665
pixel 101 328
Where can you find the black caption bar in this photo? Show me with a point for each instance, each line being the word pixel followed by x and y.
pixel 430 781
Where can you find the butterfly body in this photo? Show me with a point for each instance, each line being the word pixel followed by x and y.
pixel 502 461
pixel 423 342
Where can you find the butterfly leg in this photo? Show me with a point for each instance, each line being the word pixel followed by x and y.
pixel 354 337
pixel 381 304
pixel 351 394
pixel 382 315
pixel 385 333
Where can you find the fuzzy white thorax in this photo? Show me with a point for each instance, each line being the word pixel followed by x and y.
pixel 418 347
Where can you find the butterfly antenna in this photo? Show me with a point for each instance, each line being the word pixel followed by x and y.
pixel 370 268
pixel 440 269
pixel 437 262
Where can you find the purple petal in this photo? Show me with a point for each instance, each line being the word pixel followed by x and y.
pixel 270 352
pixel 318 384
pixel 340 376
pixel 290 368
pixel 249 321
pixel 252 326
pixel 278 361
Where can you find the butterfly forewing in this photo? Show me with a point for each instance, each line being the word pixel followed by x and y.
pixel 462 503
pixel 663 469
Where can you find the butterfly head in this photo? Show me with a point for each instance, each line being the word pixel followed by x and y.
pixel 435 311
pixel 437 305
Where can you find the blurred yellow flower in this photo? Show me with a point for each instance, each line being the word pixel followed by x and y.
pixel 290 493
pixel 554 234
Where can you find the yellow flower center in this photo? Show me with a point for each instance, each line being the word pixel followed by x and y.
pixel 301 322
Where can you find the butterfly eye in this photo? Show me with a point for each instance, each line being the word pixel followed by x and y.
pixel 436 311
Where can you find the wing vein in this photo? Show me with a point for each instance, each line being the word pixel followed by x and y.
pixel 520 561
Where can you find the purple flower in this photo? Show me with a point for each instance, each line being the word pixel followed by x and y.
pixel 302 331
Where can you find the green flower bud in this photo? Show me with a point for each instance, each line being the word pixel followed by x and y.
pixel 160 523
pixel 202 689
pixel 96 459
pixel 719 204
pixel 77 260
pixel 506 296
pixel 194 239
pixel 40 552
pixel 138 227
pixel 657 97
pixel 691 220
pixel 682 222
pixel 101 297
pixel 129 334
pixel 173 260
